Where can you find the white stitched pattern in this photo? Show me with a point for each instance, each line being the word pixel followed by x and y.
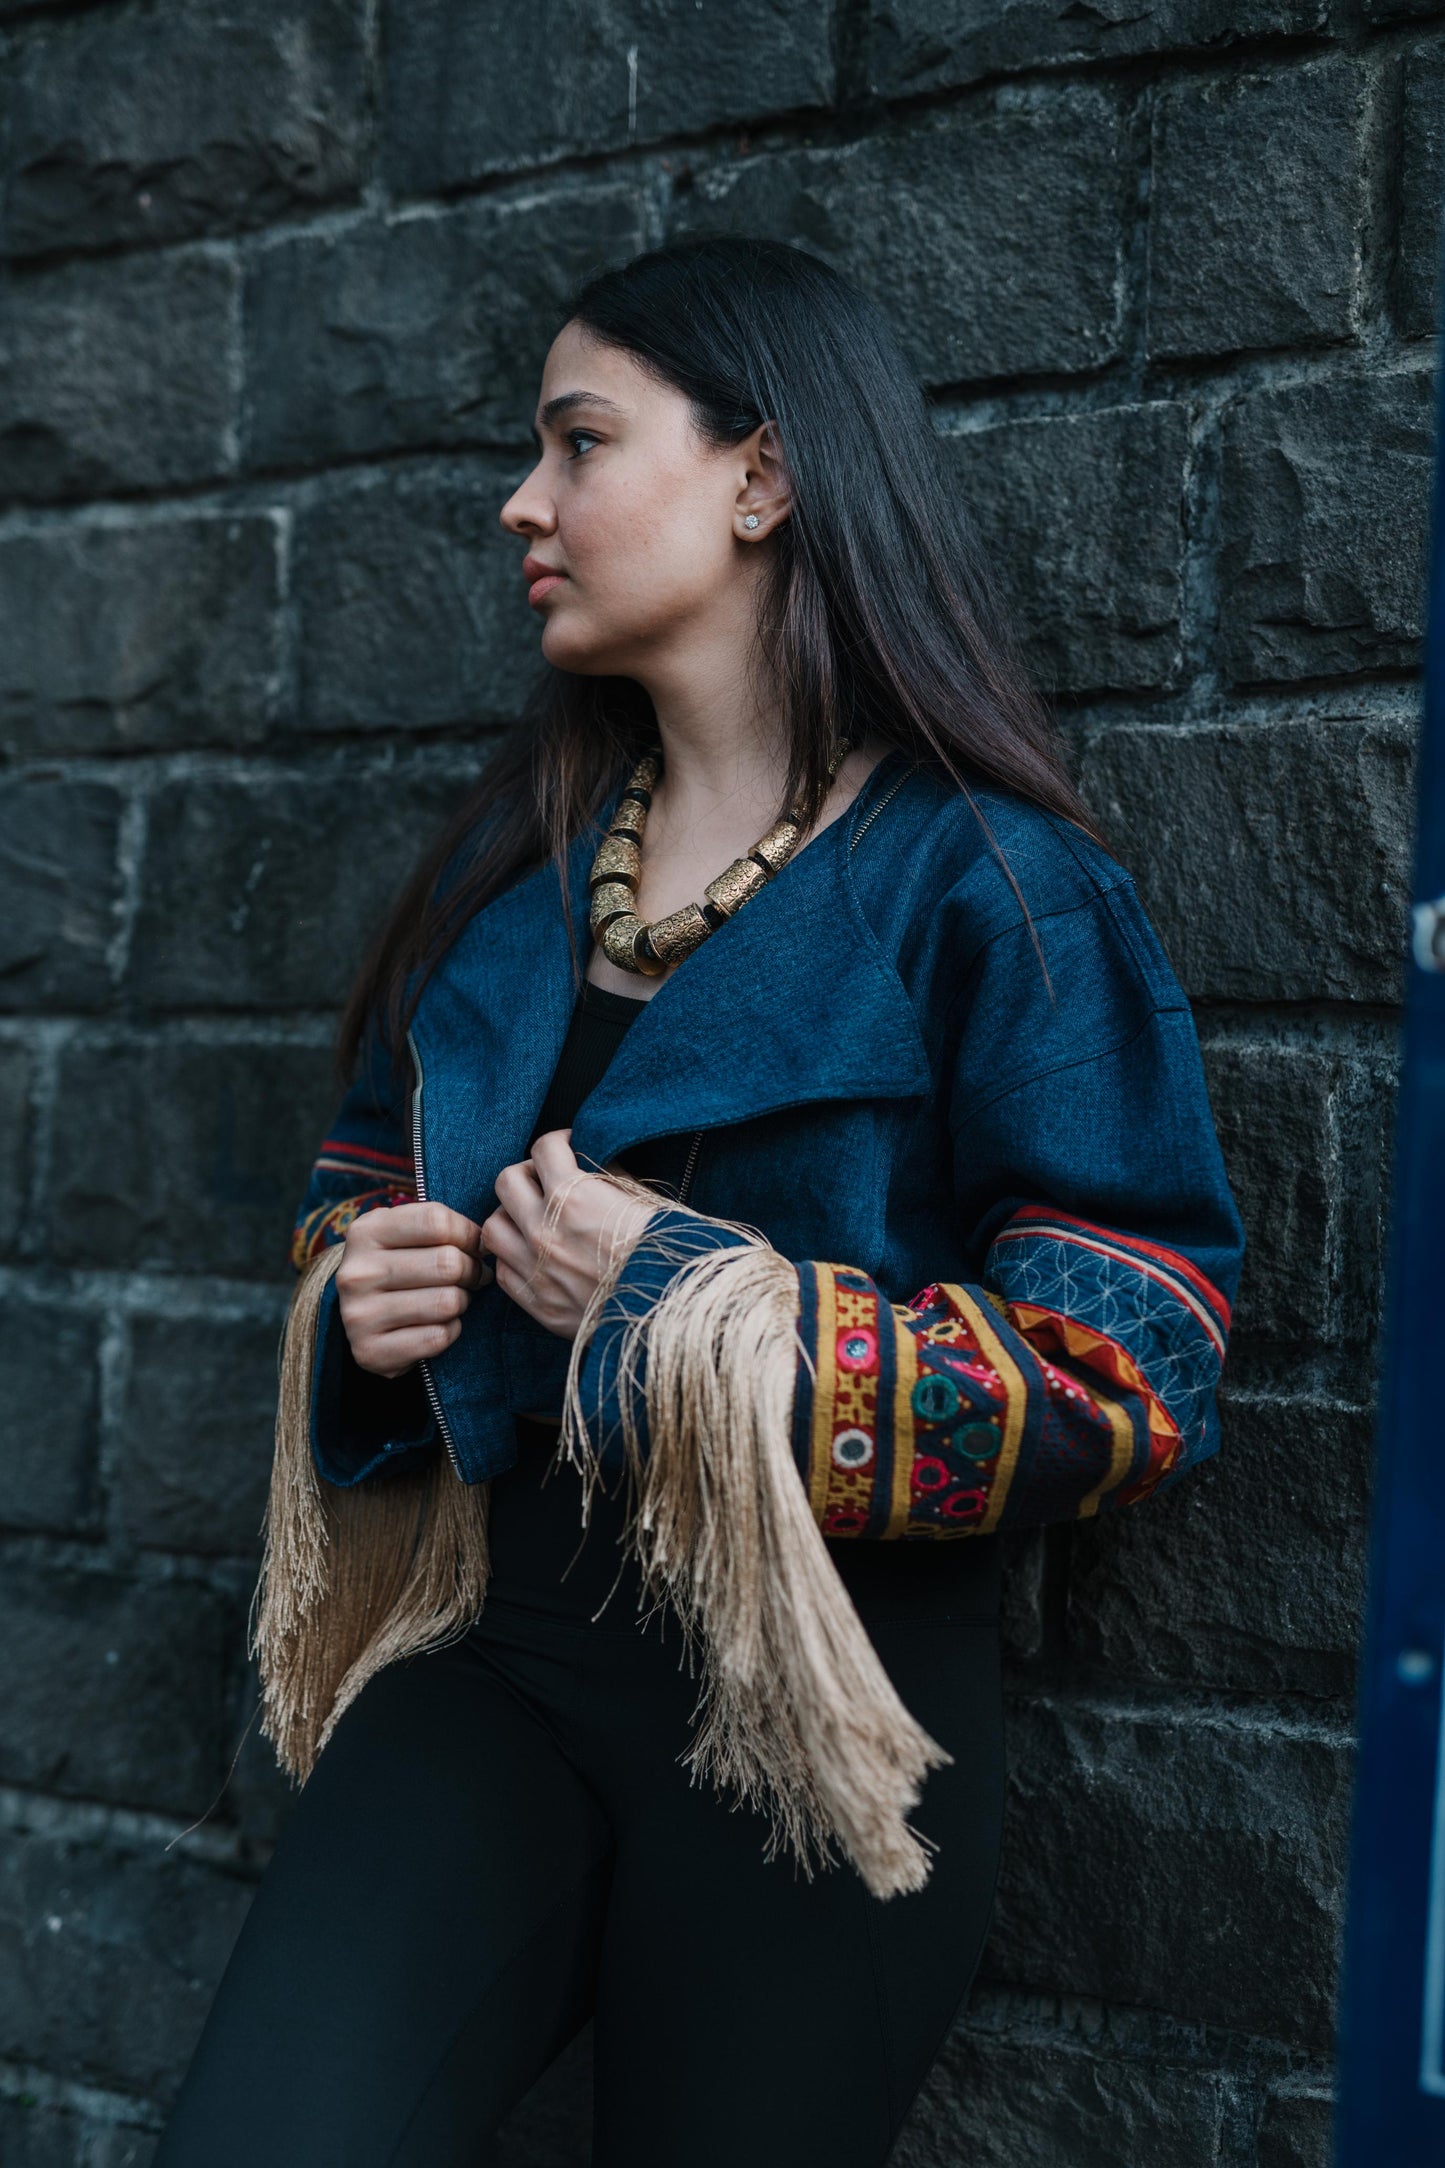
pixel 1108 1295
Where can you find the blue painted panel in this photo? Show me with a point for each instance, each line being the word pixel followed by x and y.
pixel 1391 2111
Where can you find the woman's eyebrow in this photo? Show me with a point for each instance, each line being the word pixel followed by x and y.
pixel 564 403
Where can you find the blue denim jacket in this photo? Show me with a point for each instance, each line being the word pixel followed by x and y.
pixel 983 1139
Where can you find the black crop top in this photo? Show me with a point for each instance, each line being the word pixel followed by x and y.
pixel 599 1024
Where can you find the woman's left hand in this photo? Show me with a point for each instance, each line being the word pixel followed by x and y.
pixel 593 1215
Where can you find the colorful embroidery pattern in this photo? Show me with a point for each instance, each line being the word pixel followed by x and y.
pixel 1080 1378
pixel 347 1180
pixel 1140 1315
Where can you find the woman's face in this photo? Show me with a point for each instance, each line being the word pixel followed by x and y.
pixel 636 548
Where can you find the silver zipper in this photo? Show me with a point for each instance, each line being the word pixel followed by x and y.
pixel 872 815
pixel 421 1197
pixel 686 1182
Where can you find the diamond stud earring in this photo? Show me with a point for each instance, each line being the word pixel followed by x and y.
pixel 750 519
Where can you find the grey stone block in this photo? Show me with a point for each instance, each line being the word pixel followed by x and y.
pixel 114 1687
pixel 33 2135
pixel 1422 193
pixel 192 1456
pixel 129 126
pixel 1082 516
pixel 1326 499
pixel 1194 1868
pixel 917 45
pixel 428 329
pixel 117 637
pixel 59 891
pixel 1249 1573
pixel 1021 1611
pixel 118 375
pixel 15 1083
pixel 263 892
pixel 1274 860
pixel 991 237
pixel 1297 2131
pixel 1255 210
pixel 108 1963
pixel 999 2103
pixel 1275 1108
pixel 185 1157
pixel 48 1359
pixel 469 91
pixel 413 608
pixel 1365 1118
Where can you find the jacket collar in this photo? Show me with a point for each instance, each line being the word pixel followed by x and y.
pixel 792 1001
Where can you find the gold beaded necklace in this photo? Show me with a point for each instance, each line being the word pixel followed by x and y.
pixel 629 941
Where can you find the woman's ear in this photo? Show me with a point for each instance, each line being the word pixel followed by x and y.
pixel 765 496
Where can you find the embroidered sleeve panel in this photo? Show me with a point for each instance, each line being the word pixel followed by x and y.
pixel 348 1178
pixel 1077 1378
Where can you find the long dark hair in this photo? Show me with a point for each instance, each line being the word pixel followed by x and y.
pixel 877 614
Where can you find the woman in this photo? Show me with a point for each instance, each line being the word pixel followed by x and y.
pixel 609 1608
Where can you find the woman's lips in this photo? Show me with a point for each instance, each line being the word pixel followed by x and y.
pixel 540 589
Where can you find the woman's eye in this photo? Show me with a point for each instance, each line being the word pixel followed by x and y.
pixel 574 434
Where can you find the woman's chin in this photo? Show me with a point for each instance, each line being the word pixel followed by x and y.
pixel 568 647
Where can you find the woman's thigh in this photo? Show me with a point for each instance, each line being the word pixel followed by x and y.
pixel 746 2013
pixel 423 1942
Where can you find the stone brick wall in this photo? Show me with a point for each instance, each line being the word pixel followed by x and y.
pixel 276 279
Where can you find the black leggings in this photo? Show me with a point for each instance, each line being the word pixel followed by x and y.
pixel 500 1841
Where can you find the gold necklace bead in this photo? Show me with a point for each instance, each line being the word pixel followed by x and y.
pixel 619 946
pixel 609 900
pixel 678 934
pixel 731 890
pixel 778 845
pixel 619 858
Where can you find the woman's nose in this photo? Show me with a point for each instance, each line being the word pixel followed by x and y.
pixel 529 510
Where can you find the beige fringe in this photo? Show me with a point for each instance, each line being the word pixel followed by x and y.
pixel 797 1713
pixel 351 1579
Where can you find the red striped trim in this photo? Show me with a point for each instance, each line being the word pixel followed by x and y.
pixel 399 1180
pixel 1187 1271
pixel 365 1151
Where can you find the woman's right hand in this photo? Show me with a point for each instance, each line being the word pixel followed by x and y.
pixel 404 1282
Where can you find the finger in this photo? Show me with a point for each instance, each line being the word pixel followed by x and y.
pixel 507 1243
pixel 412 1226
pixel 368 1315
pixel 553 1158
pixel 520 1194
pixel 390 1270
pixel 515 1284
pixel 389 1353
pixel 528 1293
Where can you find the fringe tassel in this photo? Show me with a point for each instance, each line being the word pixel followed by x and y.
pixel 351 1579
pixel 797 1713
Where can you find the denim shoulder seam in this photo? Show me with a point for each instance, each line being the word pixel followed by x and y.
pixel 1019 925
pixel 1080 1061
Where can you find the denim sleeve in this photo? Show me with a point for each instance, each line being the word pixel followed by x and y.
pixel 360 1423
pixel 1075 1371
